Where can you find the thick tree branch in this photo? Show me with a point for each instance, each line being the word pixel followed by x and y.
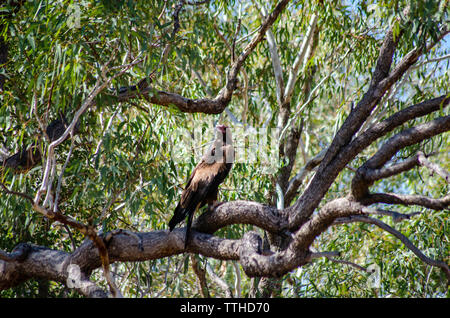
pixel 304 237
pixel 372 168
pixel 420 159
pixel 399 118
pixel 45 264
pixel 320 183
pixel 381 82
pixel 411 58
pixel 386 172
pixel 406 138
pixel 241 212
pixel 121 246
pixel 124 246
pixel 19 253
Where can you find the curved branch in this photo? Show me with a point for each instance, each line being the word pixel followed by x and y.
pixel 124 246
pixel 47 264
pixel 380 129
pixel 401 237
pixel 408 137
pixel 337 208
pixel 393 198
pixel 241 212
pixel 419 159
pixel 392 170
pixel 131 247
pixel 331 256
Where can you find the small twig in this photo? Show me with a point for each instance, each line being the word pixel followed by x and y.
pixel 48 195
pixel 20 194
pixel 69 232
pixel 105 130
pixel 237 283
pixel 177 270
pixel 219 281
pixel 49 102
pixel 433 167
pixel 326 254
pixel 233 45
pixel 34 109
pixel 58 187
pixel 359 267
pixel 331 256
pixel 437 59
pixel 396 216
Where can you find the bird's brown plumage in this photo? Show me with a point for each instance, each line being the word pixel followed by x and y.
pixel 203 184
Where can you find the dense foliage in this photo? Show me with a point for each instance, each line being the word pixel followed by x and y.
pixel 128 162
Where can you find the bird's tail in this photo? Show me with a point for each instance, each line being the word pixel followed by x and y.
pixel 188 229
pixel 178 216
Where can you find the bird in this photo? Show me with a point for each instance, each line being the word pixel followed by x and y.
pixel 203 184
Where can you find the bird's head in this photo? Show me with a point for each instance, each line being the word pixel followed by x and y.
pixel 222 128
pixel 224 134
pixel 222 148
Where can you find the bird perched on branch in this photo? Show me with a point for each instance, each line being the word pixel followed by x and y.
pixel 203 184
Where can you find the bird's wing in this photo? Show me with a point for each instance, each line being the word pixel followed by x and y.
pixel 202 179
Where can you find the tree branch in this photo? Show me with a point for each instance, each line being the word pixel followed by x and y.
pixel 404 199
pixel 300 58
pixel 241 212
pixel 422 159
pixel 401 237
pixel 45 264
pixel 223 98
pixel 331 165
pixel 331 256
pixel 408 137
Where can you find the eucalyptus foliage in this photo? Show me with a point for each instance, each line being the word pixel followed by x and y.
pixel 127 167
